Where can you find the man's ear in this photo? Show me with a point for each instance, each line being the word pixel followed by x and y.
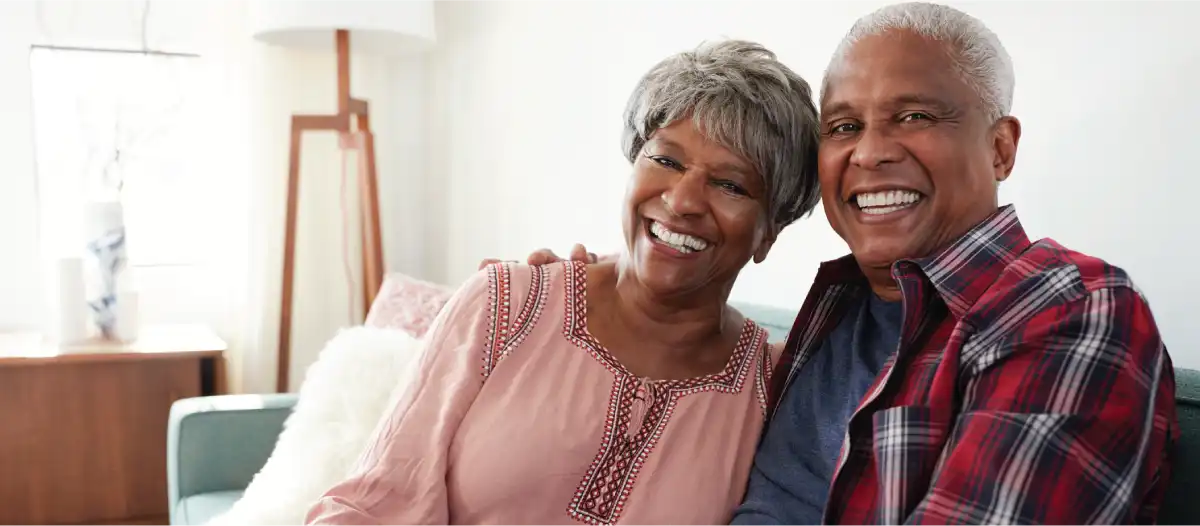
pixel 1005 138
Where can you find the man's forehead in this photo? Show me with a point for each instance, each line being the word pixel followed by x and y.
pixel 896 45
pixel 892 69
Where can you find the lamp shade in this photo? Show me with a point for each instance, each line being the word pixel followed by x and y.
pixel 381 27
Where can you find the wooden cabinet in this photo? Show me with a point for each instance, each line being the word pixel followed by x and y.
pixel 83 428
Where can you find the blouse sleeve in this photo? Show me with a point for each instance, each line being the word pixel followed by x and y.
pixel 401 476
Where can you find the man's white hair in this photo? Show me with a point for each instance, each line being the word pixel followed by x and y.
pixel 976 50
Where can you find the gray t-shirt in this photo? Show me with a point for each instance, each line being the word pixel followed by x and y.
pixel 793 468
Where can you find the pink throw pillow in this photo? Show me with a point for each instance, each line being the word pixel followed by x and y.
pixel 408 304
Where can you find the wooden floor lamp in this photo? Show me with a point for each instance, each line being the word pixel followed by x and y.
pixel 378 27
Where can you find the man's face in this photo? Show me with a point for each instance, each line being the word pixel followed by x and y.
pixel 909 159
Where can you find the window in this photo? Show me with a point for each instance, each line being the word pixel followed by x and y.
pixel 122 125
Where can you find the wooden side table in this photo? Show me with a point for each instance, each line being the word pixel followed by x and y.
pixel 83 427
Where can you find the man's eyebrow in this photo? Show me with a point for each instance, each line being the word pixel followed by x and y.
pixel 835 109
pixel 840 107
pixel 923 100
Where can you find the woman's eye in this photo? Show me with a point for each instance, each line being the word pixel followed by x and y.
pixel 667 162
pixel 732 187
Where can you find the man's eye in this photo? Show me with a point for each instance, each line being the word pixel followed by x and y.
pixel 915 116
pixel 843 128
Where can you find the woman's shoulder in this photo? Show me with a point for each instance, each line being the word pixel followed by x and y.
pixel 759 337
pixel 761 355
pixel 518 289
pixel 513 279
pixel 519 303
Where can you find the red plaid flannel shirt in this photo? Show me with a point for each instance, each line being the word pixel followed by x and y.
pixel 1030 386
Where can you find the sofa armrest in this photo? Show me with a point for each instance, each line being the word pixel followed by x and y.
pixel 218 443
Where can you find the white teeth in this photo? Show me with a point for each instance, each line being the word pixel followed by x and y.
pixel 881 210
pixel 886 202
pixel 681 242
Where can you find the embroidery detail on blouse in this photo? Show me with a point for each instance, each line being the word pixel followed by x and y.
pixel 638 410
pixel 505 334
pixel 763 380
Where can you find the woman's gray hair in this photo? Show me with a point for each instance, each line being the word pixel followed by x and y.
pixel 979 56
pixel 738 95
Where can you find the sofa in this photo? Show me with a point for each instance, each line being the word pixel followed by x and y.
pixel 215 445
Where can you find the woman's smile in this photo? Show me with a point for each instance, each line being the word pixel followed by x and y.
pixel 675 242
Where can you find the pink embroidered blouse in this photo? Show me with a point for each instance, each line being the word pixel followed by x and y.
pixel 519 416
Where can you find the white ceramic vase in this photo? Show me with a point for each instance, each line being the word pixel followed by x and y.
pixel 104 230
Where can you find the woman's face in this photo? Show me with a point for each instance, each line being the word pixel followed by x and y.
pixel 695 212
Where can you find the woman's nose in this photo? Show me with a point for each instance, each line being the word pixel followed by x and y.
pixel 687 196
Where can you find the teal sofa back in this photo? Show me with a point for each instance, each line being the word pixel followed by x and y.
pixel 1178 508
pixel 777 321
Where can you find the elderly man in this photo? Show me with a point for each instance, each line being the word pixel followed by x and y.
pixel 950 370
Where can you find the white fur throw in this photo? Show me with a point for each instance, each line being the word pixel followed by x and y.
pixel 358 376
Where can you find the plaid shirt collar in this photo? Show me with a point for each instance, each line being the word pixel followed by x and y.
pixel 961 272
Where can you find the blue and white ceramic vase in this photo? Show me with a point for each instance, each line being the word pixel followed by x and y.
pixel 106 262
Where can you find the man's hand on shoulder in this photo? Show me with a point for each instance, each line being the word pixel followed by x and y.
pixel 546 256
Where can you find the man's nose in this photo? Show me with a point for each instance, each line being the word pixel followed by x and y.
pixel 876 147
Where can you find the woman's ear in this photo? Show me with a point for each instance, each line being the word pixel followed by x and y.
pixel 764 246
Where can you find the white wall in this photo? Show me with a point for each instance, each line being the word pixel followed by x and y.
pixel 17 184
pixel 526 101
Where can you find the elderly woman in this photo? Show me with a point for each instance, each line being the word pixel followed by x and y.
pixel 626 391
